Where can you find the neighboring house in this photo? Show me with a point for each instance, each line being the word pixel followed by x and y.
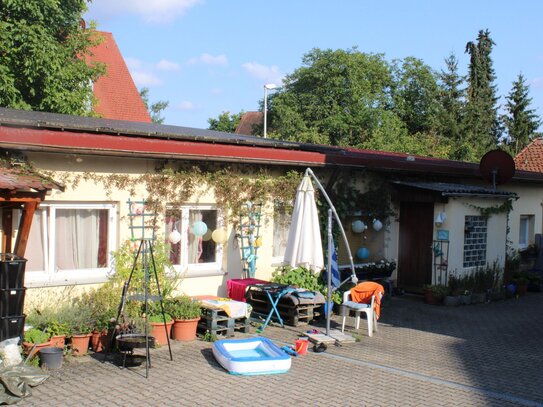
pixel 116 94
pixel 527 222
pixel 249 122
pixel 90 156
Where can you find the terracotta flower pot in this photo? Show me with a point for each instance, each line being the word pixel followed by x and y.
pixel 29 348
pixel 157 330
pixel 58 341
pixel 185 329
pixel 80 344
pixel 98 341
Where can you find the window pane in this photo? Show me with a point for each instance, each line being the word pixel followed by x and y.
pixel 35 254
pixel 281 225
pixel 475 232
pixel 523 234
pixel 173 222
pixel 201 249
pixel 81 238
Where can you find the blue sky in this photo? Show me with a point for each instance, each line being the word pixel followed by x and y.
pixel 210 56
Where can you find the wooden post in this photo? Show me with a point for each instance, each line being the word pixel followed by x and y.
pixel 24 227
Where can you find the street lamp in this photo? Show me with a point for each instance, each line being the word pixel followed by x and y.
pixel 267 87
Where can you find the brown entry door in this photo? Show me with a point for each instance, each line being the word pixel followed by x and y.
pixel 415 245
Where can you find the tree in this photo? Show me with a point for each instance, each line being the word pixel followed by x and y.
pixel 225 122
pixel 415 95
pixel 337 97
pixel 42 56
pixel 481 123
pixel 520 121
pixel 452 100
pixel 154 109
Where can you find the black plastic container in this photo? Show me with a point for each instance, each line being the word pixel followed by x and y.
pixel 12 301
pixel 11 327
pixel 12 271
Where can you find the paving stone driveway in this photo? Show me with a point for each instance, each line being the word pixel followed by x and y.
pixel 476 355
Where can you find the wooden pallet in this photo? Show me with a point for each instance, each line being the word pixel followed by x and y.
pixel 217 322
pixel 291 314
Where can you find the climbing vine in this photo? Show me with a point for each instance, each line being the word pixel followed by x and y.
pixel 487 211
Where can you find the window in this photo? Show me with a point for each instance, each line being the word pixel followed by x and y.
pixel 475 231
pixel 281 224
pixel 526 229
pixel 194 255
pixel 70 243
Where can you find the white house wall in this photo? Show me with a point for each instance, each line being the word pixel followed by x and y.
pixel 530 202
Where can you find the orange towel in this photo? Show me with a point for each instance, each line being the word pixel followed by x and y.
pixel 363 292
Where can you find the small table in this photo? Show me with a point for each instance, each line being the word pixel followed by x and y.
pixel 274 292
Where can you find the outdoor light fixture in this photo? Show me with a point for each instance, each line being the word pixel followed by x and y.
pixel 267 87
pixel 440 218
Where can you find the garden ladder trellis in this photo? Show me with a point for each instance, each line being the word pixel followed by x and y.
pixel 249 236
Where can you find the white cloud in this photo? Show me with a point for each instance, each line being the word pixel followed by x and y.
pixel 141 73
pixel 165 65
pixel 208 59
pixel 267 74
pixel 155 11
pixel 185 105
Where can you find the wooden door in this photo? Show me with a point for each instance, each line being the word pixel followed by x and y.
pixel 415 245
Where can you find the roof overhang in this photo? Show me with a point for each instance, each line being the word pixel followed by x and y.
pixel 455 190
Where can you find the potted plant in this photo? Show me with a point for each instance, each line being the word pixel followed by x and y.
pixel 186 313
pixel 81 325
pixel 58 332
pixel 520 279
pixel 34 340
pixel 160 325
pixel 434 294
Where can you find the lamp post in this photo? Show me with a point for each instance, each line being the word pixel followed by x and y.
pixel 267 87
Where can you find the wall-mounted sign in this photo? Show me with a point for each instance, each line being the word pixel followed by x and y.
pixel 442 234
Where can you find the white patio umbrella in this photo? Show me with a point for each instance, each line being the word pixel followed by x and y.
pixel 304 244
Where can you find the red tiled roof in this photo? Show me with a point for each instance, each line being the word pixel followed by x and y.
pixel 117 95
pixel 248 121
pixel 531 157
pixel 13 179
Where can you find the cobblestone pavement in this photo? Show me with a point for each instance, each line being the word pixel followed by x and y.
pixel 476 355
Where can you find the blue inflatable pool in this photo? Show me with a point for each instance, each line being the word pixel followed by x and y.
pixel 251 356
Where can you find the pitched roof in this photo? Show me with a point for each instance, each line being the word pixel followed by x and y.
pixel 117 95
pixel 248 121
pixel 531 157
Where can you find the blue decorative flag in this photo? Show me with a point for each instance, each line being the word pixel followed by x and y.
pixel 336 279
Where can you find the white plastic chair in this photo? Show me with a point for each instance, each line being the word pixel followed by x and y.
pixel 359 308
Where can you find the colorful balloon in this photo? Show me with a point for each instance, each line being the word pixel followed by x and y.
pixel 219 236
pixel 199 228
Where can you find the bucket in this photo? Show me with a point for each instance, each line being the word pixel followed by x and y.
pixel 51 358
pixel 301 346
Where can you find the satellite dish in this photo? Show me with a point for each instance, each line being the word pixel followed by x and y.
pixel 497 167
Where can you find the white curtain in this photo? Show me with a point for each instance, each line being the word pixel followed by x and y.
pixel 195 242
pixel 281 225
pixel 77 238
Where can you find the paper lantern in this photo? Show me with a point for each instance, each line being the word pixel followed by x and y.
pixel 377 225
pixel 207 235
pixel 199 228
pixel 258 241
pixel 219 236
pixel 174 237
pixel 363 253
pixel 358 226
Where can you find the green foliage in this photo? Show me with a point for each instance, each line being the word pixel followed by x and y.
pixel 301 277
pixel 209 337
pixel 225 122
pixel 42 57
pixel 35 335
pixel 520 121
pixel 481 124
pixel 103 303
pixel 439 291
pixel 155 109
pixel 182 307
pixel 79 319
pixel 159 318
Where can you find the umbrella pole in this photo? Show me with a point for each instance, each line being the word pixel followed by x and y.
pixel 329 273
pixel 353 277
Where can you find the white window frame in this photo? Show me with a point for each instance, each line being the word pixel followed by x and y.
pixel 528 230
pixel 51 277
pixel 197 270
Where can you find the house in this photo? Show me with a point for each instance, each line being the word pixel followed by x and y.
pixel 439 215
pixel 116 94
pixel 248 122
pixel 531 157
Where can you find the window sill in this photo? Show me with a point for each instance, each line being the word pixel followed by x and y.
pixel 43 280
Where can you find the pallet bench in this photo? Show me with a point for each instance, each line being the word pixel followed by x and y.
pixel 217 322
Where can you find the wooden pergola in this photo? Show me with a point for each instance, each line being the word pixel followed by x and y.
pixel 22 189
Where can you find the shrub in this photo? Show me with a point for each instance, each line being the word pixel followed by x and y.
pixel 35 335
